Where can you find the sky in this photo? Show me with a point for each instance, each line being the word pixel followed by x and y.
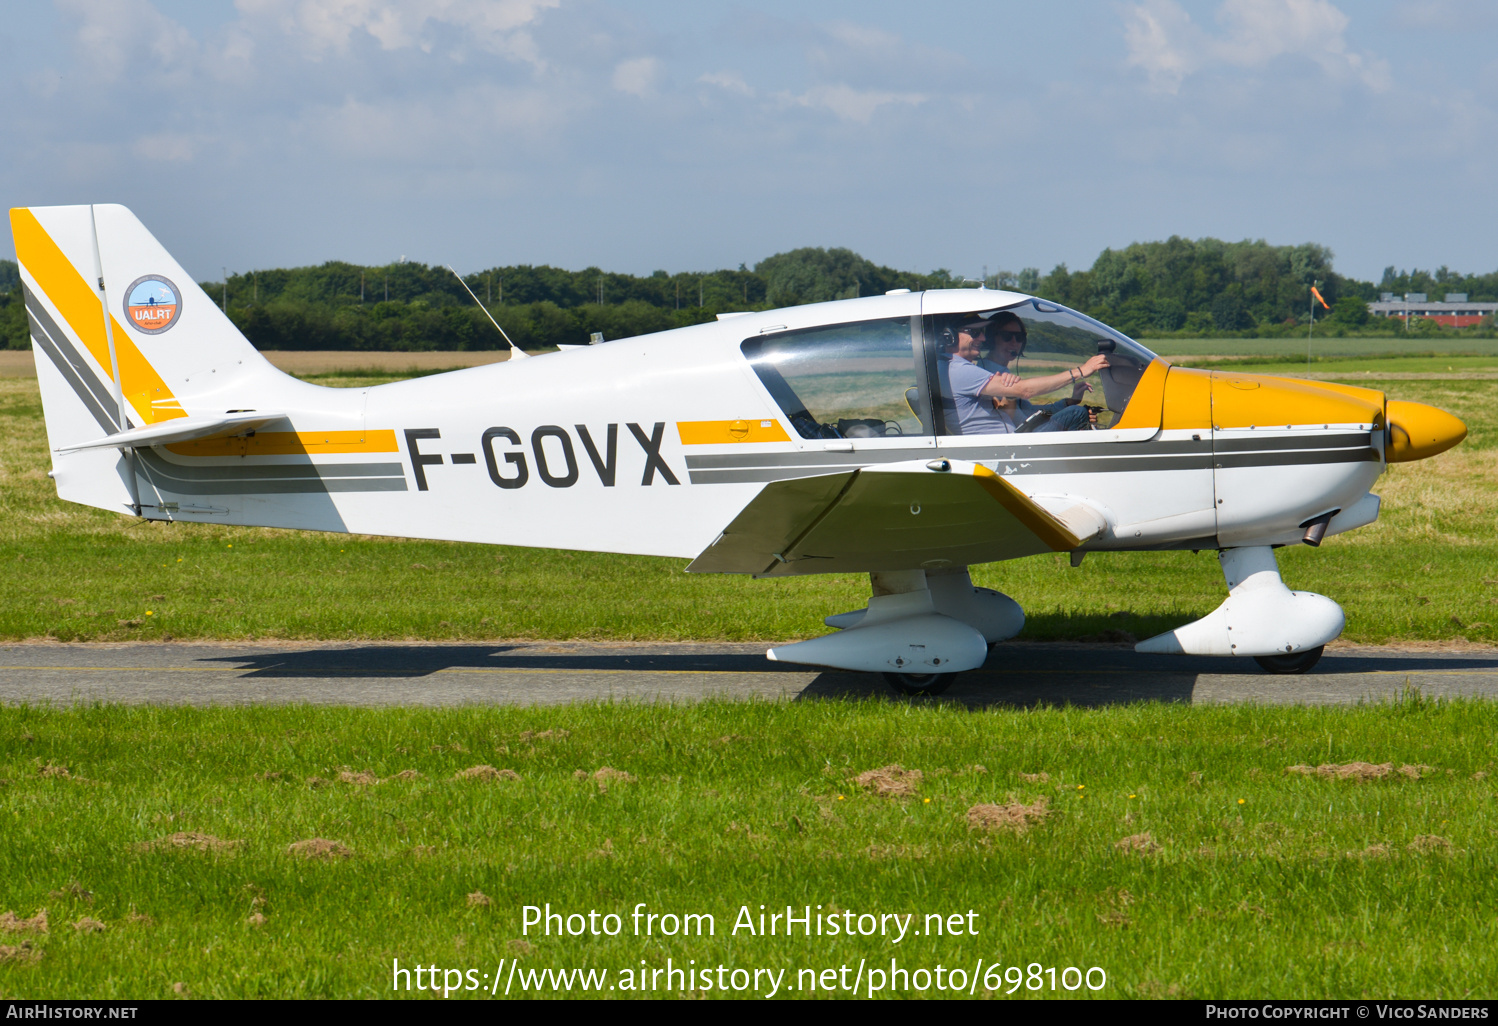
pixel 697 134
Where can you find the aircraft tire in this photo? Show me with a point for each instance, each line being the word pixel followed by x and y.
pixel 1298 662
pixel 920 683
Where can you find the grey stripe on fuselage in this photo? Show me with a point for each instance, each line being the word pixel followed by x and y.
pixel 1279 443
pixel 270 479
pixel 1300 459
pixel 1077 458
pixel 64 356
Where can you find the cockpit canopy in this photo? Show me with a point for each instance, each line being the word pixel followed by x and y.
pixel 888 377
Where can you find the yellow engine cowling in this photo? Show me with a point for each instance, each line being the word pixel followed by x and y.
pixel 1218 399
pixel 1258 400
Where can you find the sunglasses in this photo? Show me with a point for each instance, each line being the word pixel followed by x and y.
pixel 1009 336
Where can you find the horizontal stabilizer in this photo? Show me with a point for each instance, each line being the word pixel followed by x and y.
pixel 182 429
pixel 899 516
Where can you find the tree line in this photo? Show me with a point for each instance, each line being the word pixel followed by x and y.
pixel 14 331
pixel 409 306
pixel 1178 287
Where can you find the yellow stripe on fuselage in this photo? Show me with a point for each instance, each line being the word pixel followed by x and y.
pixel 720 432
pixel 78 303
pixel 290 443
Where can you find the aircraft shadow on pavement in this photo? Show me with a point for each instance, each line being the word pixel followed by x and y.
pixel 422 660
pixel 982 690
pixel 1021 675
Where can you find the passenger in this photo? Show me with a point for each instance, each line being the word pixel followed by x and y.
pixel 987 399
pixel 1006 333
pixel 963 379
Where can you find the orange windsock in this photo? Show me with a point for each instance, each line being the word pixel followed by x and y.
pixel 1318 297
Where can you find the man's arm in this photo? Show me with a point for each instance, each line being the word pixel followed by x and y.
pixel 1005 385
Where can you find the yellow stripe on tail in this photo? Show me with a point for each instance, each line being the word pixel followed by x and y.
pixel 148 396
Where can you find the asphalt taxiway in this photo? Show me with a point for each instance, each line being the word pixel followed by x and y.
pixel 548 673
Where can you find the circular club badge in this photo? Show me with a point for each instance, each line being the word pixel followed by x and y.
pixel 152 304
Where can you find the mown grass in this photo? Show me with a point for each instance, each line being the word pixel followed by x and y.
pixel 1340 366
pixel 1292 346
pixel 1264 883
pixel 1424 571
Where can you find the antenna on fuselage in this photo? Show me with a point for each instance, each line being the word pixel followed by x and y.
pixel 516 352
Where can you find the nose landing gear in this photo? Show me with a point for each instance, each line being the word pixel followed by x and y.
pixel 1295 662
pixel 1283 631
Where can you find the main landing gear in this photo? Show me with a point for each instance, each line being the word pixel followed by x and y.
pixel 920 629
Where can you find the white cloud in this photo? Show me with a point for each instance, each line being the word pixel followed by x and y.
pixel 118 36
pixel 844 51
pixel 1168 46
pixel 864 37
pixel 849 104
pixel 1156 33
pixel 728 81
pixel 1445 15
pixel 414 132
pixel 164 146
pixel 331 25
pixel 637 77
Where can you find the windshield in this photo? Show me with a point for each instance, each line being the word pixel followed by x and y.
pixel 1048 348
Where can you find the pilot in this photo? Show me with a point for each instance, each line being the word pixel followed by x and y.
pixel 988 399
pixel 964 378
pixel 1006 333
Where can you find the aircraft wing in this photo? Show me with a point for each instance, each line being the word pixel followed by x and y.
pixel 899 516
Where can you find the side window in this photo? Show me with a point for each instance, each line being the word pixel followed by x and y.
pixel 1042 345
pixel 856 380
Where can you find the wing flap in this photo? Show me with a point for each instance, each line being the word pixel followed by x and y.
pixel 901 516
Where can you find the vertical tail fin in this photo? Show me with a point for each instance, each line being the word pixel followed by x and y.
pixel 122 337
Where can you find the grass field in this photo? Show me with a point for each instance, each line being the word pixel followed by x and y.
pixel 1348 367
pixel 1423 572
pixel 1236 878
pixel 19 363
pixel 1289 348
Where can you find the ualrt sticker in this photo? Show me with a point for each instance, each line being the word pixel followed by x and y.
pixel 152 304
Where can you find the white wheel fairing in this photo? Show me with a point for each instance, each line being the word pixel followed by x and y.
pixel 1260 617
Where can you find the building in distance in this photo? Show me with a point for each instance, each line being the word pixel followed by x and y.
pixel 1454 311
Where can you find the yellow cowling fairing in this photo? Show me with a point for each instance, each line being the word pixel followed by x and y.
pixel 1373 395
pixel 1188 400
pixel 1199 400
pixel 1143 410
pixel 1203 400
pixel 1417 431
pixel 1258 400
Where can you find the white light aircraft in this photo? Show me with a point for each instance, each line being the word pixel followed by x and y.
pixel 817 439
